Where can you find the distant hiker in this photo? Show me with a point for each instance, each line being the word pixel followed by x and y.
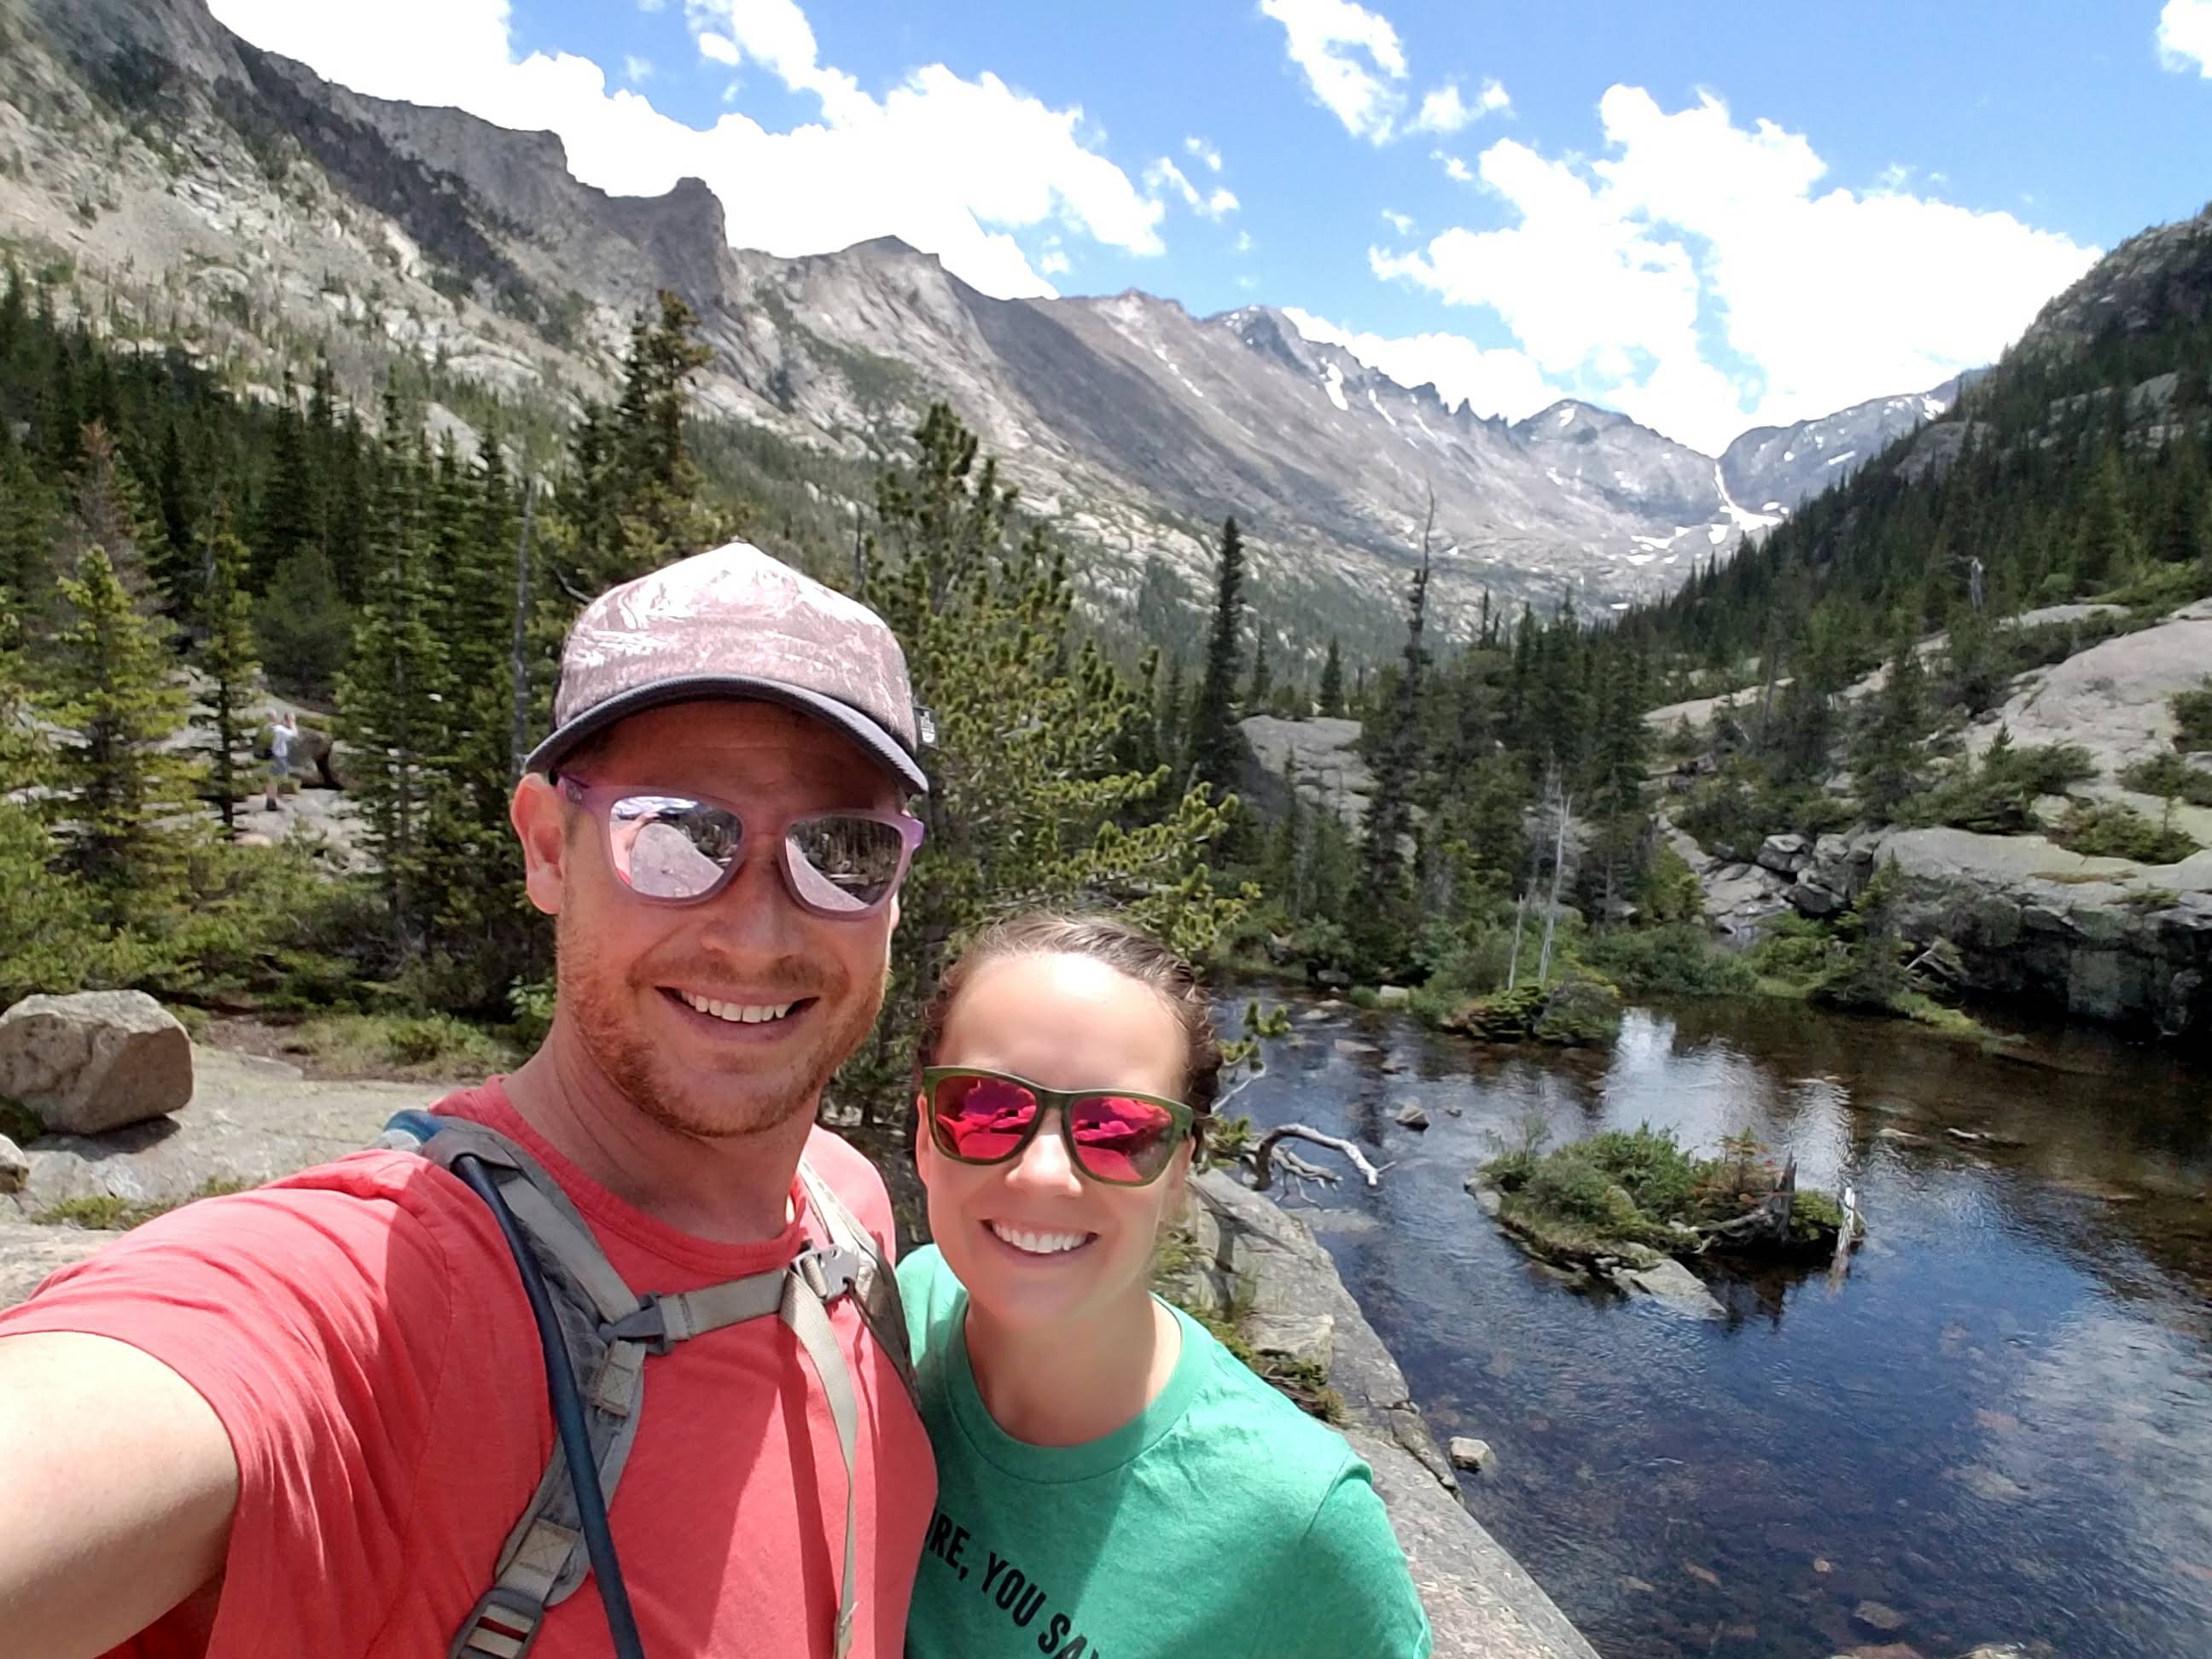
pixel 282 736
pixel 338 1417
pixel 1129 1486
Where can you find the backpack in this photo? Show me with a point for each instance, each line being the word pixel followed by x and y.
pixel 609 1331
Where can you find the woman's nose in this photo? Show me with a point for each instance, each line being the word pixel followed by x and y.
pixel 1044 1165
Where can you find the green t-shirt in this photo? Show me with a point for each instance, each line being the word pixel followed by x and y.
pixel 1222 1521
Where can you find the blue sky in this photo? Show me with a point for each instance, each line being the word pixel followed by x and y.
pixel 1707 215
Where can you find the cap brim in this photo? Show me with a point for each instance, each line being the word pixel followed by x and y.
pixel 863 729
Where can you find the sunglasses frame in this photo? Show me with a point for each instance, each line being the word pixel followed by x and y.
pixel 1187 1119
pixel 599 799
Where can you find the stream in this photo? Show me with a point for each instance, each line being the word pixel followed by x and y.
pixel 1997 1428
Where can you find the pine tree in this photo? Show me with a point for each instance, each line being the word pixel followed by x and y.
pixel 1216 747
pixel 226 656
pixel 1886 758
pixel 2110 547
pixel 1331 683
pixel 637 502
pixel 111 693
pixel 1022 811
pixel 1262 683
pixel 1385 932
pixel 388 701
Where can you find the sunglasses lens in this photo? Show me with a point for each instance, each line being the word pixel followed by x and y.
pixel 669 847
pixel 844 866
pixel 982 1120
pixel 1121 1140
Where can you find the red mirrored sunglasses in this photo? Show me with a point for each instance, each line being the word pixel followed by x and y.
pixel 1115 1136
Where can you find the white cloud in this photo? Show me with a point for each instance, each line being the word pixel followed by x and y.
pixel 1352 60
pixel 1455 169
pixel 2184 35
pixel 1204 152
pixel 1621 277
pixel 948 163
pixel 1400 223
pixel 1213 204
pixel 1053 262
pixel 1243 243
pixel 1445 111
pixel 1494 380
pixel 636 68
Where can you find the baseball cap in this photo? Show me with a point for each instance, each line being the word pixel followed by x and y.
pixel 736 624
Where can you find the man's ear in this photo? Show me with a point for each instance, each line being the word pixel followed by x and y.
pixel 540 818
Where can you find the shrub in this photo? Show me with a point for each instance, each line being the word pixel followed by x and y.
pixel 1569 1184
pixel 2170 775
pixel 1650 1166
pixel 428 1046
pixel 2110 830
pixel 1795 955
pixel 2192 712
pixel 1670 891
pixel 1679 960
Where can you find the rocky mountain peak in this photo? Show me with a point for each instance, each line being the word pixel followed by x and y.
pixel 2153 279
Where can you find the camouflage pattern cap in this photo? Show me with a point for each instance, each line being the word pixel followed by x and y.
pixel 734 623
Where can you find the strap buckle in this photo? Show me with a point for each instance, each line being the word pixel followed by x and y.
pixel 828 1273
pixel 647 1324
pixel 500 1627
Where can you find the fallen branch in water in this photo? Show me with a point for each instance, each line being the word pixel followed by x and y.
pixel 1263 1156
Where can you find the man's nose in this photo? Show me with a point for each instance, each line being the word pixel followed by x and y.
pixel 755 913
pixel 1043 1166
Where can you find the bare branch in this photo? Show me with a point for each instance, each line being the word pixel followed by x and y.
pixel 1262 1156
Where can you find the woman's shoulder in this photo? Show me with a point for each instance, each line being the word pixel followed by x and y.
pixel 1299 1457
pixel 931 1296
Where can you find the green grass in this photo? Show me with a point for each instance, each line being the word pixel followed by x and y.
pixel 429 1048
pixel 107 1213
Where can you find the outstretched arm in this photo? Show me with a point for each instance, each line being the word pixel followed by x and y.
pixel 119 1491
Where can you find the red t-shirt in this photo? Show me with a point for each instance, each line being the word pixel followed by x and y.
pixel 361 1333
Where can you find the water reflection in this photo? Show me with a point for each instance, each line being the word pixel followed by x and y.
pixel 2000 1426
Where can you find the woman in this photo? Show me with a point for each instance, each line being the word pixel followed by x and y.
pixel 1113 1483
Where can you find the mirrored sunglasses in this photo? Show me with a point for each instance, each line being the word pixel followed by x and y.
pixel 1112 1135
pixel 681 848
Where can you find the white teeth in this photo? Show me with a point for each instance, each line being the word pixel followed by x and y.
pixel 1035 1244
pixel 738 1013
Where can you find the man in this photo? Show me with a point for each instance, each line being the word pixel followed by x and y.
pixel 282 736
pixel 302 1421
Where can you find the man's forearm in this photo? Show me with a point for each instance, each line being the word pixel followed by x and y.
pixel 117 1488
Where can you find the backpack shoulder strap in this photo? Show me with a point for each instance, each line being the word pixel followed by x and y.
pixel 608 1330
pixel 544 1559
pixel 874 1281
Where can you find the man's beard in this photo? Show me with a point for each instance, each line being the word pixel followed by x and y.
pixel 754 1095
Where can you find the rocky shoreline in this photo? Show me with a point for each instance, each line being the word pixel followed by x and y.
pixel 1248 1255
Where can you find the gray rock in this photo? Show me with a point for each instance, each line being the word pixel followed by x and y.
pixel 1351 1047
pixel 15 1168
pixel 1308 1337
pixel 1466 1454
pixel 95 1061
pixel 1784 854
pixel 1410 1116
pixel 1879 1615
pixel 1674 1287
pixel 1392 996
pixel 1809 897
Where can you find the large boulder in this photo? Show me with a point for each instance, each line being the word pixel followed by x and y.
pixel 95 1061
pixel 15 1168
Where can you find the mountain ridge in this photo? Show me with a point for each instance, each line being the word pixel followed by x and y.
pixel 434 233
